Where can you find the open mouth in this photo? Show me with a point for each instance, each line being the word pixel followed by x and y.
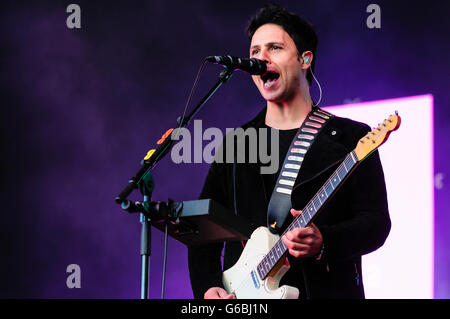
pixel 269 78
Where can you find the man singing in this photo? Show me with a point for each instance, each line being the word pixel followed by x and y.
pixel 324 257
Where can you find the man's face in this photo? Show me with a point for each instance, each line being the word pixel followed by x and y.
pixel 281 81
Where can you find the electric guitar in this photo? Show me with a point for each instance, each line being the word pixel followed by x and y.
pixel 263 262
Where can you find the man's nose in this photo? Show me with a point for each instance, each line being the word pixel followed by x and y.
pixel 265 56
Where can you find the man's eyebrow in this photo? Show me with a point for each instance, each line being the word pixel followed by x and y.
pixel 267 44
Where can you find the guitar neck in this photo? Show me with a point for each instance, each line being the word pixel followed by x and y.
pixel 309 211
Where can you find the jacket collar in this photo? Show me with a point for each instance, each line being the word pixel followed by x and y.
pixel 325 152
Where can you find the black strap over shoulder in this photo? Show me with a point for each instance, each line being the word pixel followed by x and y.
pixel 280 201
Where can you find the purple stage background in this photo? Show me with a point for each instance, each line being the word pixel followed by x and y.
pixel 81 107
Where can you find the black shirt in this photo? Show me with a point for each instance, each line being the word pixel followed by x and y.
pixel 285 140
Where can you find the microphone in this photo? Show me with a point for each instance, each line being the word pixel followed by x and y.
pixel 252 66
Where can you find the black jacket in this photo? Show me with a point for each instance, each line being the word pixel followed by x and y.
pixel 354 222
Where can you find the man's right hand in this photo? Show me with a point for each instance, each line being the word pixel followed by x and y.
pixel 218 293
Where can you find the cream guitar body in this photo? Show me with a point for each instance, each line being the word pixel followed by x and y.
pixel 243 278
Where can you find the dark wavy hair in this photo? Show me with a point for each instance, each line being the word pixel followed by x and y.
pixel 300 30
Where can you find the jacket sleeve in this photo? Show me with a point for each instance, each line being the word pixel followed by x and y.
pixel 205 267
pixel 365 199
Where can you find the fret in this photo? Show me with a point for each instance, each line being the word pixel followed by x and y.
pixel 275 250
pixel 353 157
pixel 343 171
pixel 316 203
pixel 260 271
pixel 283 247
pixel 338 176
pixel 297 223
pixel 272 260
pixel 278 250
pixel 335 180
pixel 329 187
pixel 307 218
pixel 330 184
pixel 262 268
pixel 343 164
pixel 319 200
pixel 265 265
pixel 309 210
pixel 269 260
pixel 276 253
pixel 323 194
pixel 340 173
pixel 304 220
pixel 348 163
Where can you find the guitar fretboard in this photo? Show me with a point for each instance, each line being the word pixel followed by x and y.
pixel 308 212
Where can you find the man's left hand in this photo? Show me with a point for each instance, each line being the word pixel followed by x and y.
pixel 303 242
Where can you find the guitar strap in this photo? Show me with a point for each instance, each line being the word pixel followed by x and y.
pixel 280 201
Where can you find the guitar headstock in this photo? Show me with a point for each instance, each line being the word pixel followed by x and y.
pixel 372 140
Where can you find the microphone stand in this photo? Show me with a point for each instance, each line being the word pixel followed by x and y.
pixel 146 243
pixel 156 210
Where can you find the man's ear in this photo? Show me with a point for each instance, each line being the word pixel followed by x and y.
pixel 306 59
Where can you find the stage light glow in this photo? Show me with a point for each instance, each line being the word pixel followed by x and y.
pixel 403 266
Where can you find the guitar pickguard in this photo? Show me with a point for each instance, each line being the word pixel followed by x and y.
pixel 243 279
